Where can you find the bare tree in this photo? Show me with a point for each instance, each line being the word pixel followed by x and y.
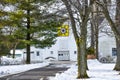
pixel 79 26
pixel 114 24
pixel 96 20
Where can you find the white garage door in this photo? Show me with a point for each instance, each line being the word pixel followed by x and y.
pixel 63 55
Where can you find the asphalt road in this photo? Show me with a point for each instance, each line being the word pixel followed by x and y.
pixel 40 73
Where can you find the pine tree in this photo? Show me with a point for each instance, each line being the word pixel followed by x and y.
pixel 32 22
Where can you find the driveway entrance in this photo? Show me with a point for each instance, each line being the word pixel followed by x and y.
pixel 44 73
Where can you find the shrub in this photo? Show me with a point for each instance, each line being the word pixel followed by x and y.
pixel 90 51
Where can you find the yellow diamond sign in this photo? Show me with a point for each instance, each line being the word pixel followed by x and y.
pixel 63 31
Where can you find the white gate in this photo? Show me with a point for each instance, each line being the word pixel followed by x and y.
pixel 63 55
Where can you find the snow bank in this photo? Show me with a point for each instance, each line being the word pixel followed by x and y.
pixel 97 71
pixel 10 61
pixel 7 70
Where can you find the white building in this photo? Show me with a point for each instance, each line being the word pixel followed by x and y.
pixel 65 49
pixel 36 54
pixel 107 49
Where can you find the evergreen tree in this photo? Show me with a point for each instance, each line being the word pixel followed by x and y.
pixel 32 22
pixel 4 45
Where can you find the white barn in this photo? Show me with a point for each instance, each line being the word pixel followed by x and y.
pixel 65 49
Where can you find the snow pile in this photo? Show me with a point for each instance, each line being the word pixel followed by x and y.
pixel 97 71
pixel 10 61
pixel 13 69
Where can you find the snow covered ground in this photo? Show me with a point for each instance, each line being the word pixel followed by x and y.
pixel 13 69
pixel 97 71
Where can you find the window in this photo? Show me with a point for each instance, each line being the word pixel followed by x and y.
pixel 38 53
pixel 30 52
pixel 114 51
pixel 75 52
pixel 18 55
pixel 60 54
pixel 51 52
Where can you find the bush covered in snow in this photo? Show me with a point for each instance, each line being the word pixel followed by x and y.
pixel 10 61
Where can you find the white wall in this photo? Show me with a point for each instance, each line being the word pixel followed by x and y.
pixel 35 57
pixel 62 44
pixel 106 44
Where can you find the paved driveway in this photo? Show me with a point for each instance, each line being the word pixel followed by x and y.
pixel 40 73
